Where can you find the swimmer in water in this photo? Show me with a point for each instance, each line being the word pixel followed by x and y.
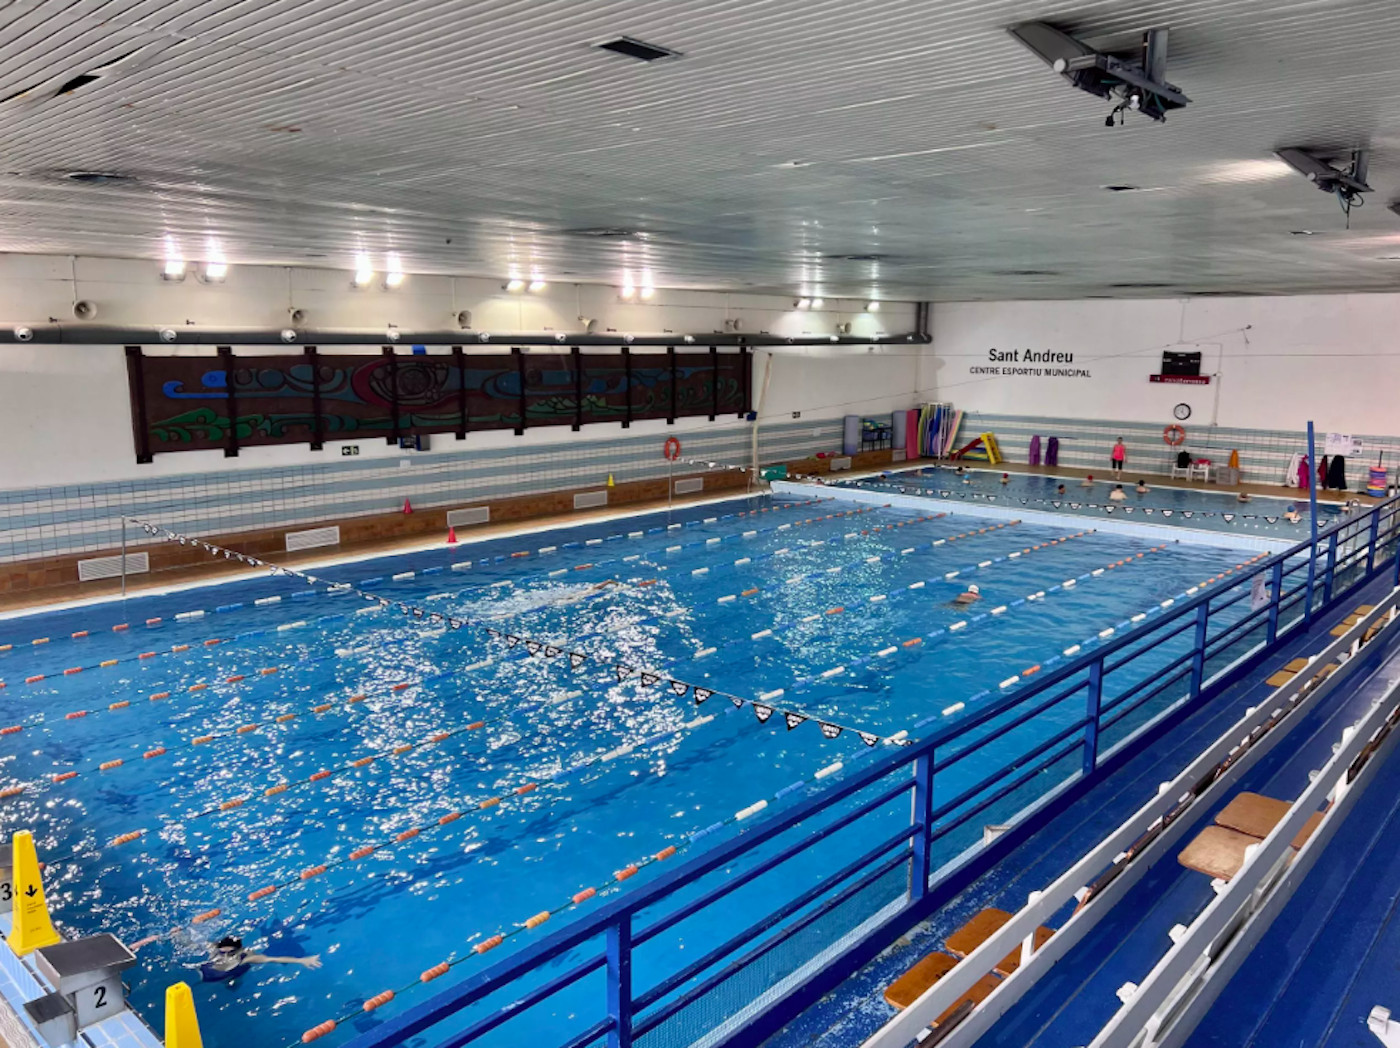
pixel 1060 490
pixel 960 472
pixel 1117 494
pixel 1142 488
pixel 229 959
pixel 1291 514
pixel 1243 496
pixel 1087 482
pixel 972 595
pixel 1006 478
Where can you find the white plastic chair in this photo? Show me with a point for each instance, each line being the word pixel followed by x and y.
pixel 1183 472
pixel 1200 471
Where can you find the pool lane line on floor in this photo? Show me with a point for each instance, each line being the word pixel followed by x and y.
pixel 16 646
pixel 578 899
pixel 206 737
pixel 335 589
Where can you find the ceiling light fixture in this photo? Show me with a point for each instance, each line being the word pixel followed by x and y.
pixel 817 303
pixel 627 291
pixel 174 270
pixel 537 285
pixel 648 292
pixel 364 272
pixel 393 277
pixel 803 303
pixel 872 307
pixel 213 272
pixel 515 285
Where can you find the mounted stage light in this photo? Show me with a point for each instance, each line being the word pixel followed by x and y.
pixel 1136 78
pixel 1316 165
pixel 212 273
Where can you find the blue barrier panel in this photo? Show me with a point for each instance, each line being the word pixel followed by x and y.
pixel 837 908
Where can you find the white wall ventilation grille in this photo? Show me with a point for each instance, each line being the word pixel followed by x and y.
pixel 111 567
pixel 590 499
pixel 458 518
pixel 689 487
pixel 313 538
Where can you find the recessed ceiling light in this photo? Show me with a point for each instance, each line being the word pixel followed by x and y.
pixel 393 277
pixel 213 272
pixel 817 303
pixel 803 303
pixel 174 269
pixel 648 292
pixel 364 272
pixel 515 284
pixel 638 49
pixel 872 307
pixel 627 291
pixel 537 285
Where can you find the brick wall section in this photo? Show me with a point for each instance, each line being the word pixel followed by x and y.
pixel 35 577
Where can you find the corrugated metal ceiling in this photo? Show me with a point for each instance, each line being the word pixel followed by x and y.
pixel 473 138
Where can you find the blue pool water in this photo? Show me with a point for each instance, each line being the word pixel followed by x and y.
pixel 1164 504
pixel 807 573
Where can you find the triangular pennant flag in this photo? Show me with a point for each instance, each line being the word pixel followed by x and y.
pixel 793 720
pixel 680 687
pixel 1109 509
pixel 551 651
pixel 830 731
pixel 738 702
pixel 456 624
pixel 1149 511
pixel 493 633
pixel 649 679
pixel 1128 509
pixel 418 613
pixel 384 602
pixel 943 494
pixel 1272 520
pixel 867 738
pixel 512 640
pixel 1056 503
pixel 762 712
pixel 577 659
pixel 533 647
pixel 1166 513
pixel 435 616
pixel 1023 502
pixel 623 672
pixel 701 694
pixel 1188 514
pixel 1229 518
pixel 1074 505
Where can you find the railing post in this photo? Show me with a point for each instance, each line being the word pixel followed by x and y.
pixel 1331 575
pixel 620 982
pixel 1275 599
pixel 920 863
pixel 1091 730
pixel 1371 542
pixel 1198 657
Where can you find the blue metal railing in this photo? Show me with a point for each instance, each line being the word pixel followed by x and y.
pixel 780 946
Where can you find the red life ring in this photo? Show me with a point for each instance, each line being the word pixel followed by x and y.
pixel 672 450
pixel 1174 435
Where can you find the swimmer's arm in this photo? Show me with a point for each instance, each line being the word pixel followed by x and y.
pixel 313 961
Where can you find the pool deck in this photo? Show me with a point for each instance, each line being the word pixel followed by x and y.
pixel 854 1011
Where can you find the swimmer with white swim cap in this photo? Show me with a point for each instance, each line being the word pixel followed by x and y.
pixel 972 595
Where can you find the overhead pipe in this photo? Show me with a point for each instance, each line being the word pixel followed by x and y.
pixel 91 334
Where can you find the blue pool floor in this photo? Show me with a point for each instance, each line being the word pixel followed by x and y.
pixel 856 1009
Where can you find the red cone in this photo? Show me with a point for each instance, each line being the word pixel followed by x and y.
pixel 407 507
pixel 451 535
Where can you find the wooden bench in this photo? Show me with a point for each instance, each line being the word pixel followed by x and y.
pixel 915 982
pixel 1218 851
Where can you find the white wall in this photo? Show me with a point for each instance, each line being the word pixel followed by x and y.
pixel 1275 362
pixel 65 412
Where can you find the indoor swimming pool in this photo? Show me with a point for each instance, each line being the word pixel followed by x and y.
pixel 416 764
pixel 1164 504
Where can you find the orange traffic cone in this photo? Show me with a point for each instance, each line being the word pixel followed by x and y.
pixel 451 535
pixel 407 507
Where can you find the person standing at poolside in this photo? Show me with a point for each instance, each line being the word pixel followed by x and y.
pixel 1120 456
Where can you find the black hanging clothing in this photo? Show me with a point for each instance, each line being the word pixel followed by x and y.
pixel 1337 473
pixel 1052 452
pixel 1183 459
